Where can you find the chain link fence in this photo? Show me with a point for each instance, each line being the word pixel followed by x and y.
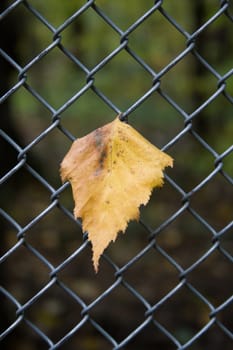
pixel 167 283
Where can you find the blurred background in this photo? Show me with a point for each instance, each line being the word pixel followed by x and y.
pixel 24 34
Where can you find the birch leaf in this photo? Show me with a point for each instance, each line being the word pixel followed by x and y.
pixel 112 171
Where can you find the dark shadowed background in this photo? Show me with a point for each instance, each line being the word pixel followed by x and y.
pixel 66 68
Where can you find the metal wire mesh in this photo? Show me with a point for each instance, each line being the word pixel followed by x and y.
pixel 90 308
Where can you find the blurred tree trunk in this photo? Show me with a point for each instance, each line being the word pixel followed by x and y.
pixel 199 13
pixel 214 36
pixel 13 31
pixel 11 28
pixel 10 32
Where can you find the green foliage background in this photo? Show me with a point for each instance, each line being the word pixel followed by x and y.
pixel 123 81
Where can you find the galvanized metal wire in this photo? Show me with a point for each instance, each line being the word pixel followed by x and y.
pixel 119 273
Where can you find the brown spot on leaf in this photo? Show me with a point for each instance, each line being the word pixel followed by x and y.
pixel 102 158
pixel 98 135
pixel 102 149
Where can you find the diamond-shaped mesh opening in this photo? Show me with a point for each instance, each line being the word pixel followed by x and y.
pixel 28 202
pixel 80 118
pixel 211 288
pixel 152 263
pixel 125 84
pixel 217 117
pixel 218 215
pixel 152 118
pixel 37 40
pixel 66 69
pixel 45 238
pixel 156 50
pixel 125 308
pixel 180 325
pixel 28 265
pixel 56 85
pixel 90 25
pixel 192 233
pixel 54 309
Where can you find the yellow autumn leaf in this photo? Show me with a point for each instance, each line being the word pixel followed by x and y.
pixel 112 172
